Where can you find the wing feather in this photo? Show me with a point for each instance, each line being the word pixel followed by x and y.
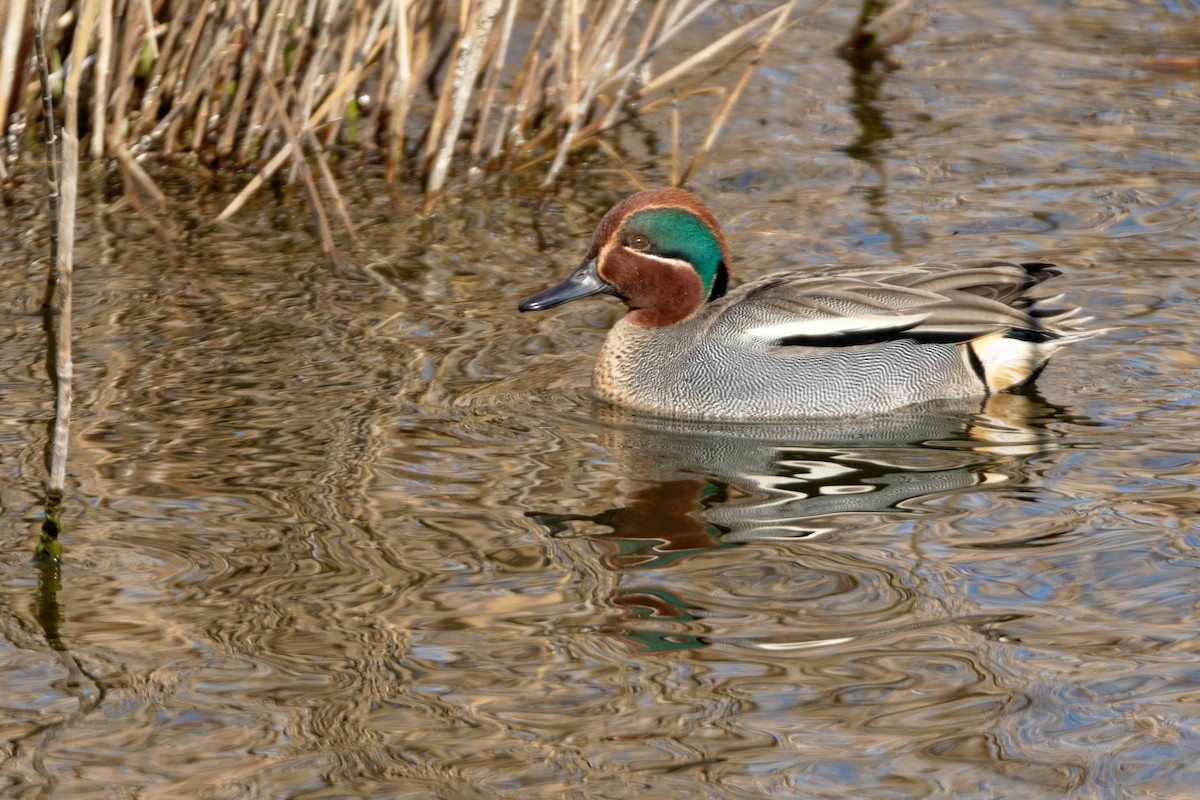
pixel 936 302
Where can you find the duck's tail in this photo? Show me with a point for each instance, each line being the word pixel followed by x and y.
pixel 1011 358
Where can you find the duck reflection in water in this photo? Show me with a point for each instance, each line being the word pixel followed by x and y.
pixel 702 487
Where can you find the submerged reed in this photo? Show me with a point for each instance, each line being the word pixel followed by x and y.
pixel 433 89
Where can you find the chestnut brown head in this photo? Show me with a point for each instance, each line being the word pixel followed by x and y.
pixel 661 251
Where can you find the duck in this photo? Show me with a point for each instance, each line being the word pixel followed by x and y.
pixel 800 343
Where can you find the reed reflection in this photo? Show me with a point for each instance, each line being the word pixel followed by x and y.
pixel 869 68
pixel 698 488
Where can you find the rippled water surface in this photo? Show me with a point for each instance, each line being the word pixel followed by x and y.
pixel 365 534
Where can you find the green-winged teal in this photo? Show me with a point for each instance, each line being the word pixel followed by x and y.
pixel 812 343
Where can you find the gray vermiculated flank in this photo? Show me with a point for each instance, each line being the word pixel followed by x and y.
pixel 734 375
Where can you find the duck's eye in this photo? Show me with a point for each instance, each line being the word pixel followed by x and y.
pixel 638 242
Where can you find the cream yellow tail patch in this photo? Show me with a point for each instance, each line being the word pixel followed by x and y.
pixel 1009 362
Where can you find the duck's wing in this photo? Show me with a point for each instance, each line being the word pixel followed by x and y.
pixel 932 302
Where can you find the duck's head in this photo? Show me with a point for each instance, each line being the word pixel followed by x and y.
pixel 661 251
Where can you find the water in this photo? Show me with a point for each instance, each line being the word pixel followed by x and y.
pixel 365 535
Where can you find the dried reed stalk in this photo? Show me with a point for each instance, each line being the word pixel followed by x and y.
pixel 436 87
pixel 67 196
pixel 476 28
pixel 63 158
pixel 12 48
pixel 53 184
pixel 718 120
pixel 314 197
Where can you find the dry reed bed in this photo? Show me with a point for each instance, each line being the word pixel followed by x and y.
pixel 432 88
